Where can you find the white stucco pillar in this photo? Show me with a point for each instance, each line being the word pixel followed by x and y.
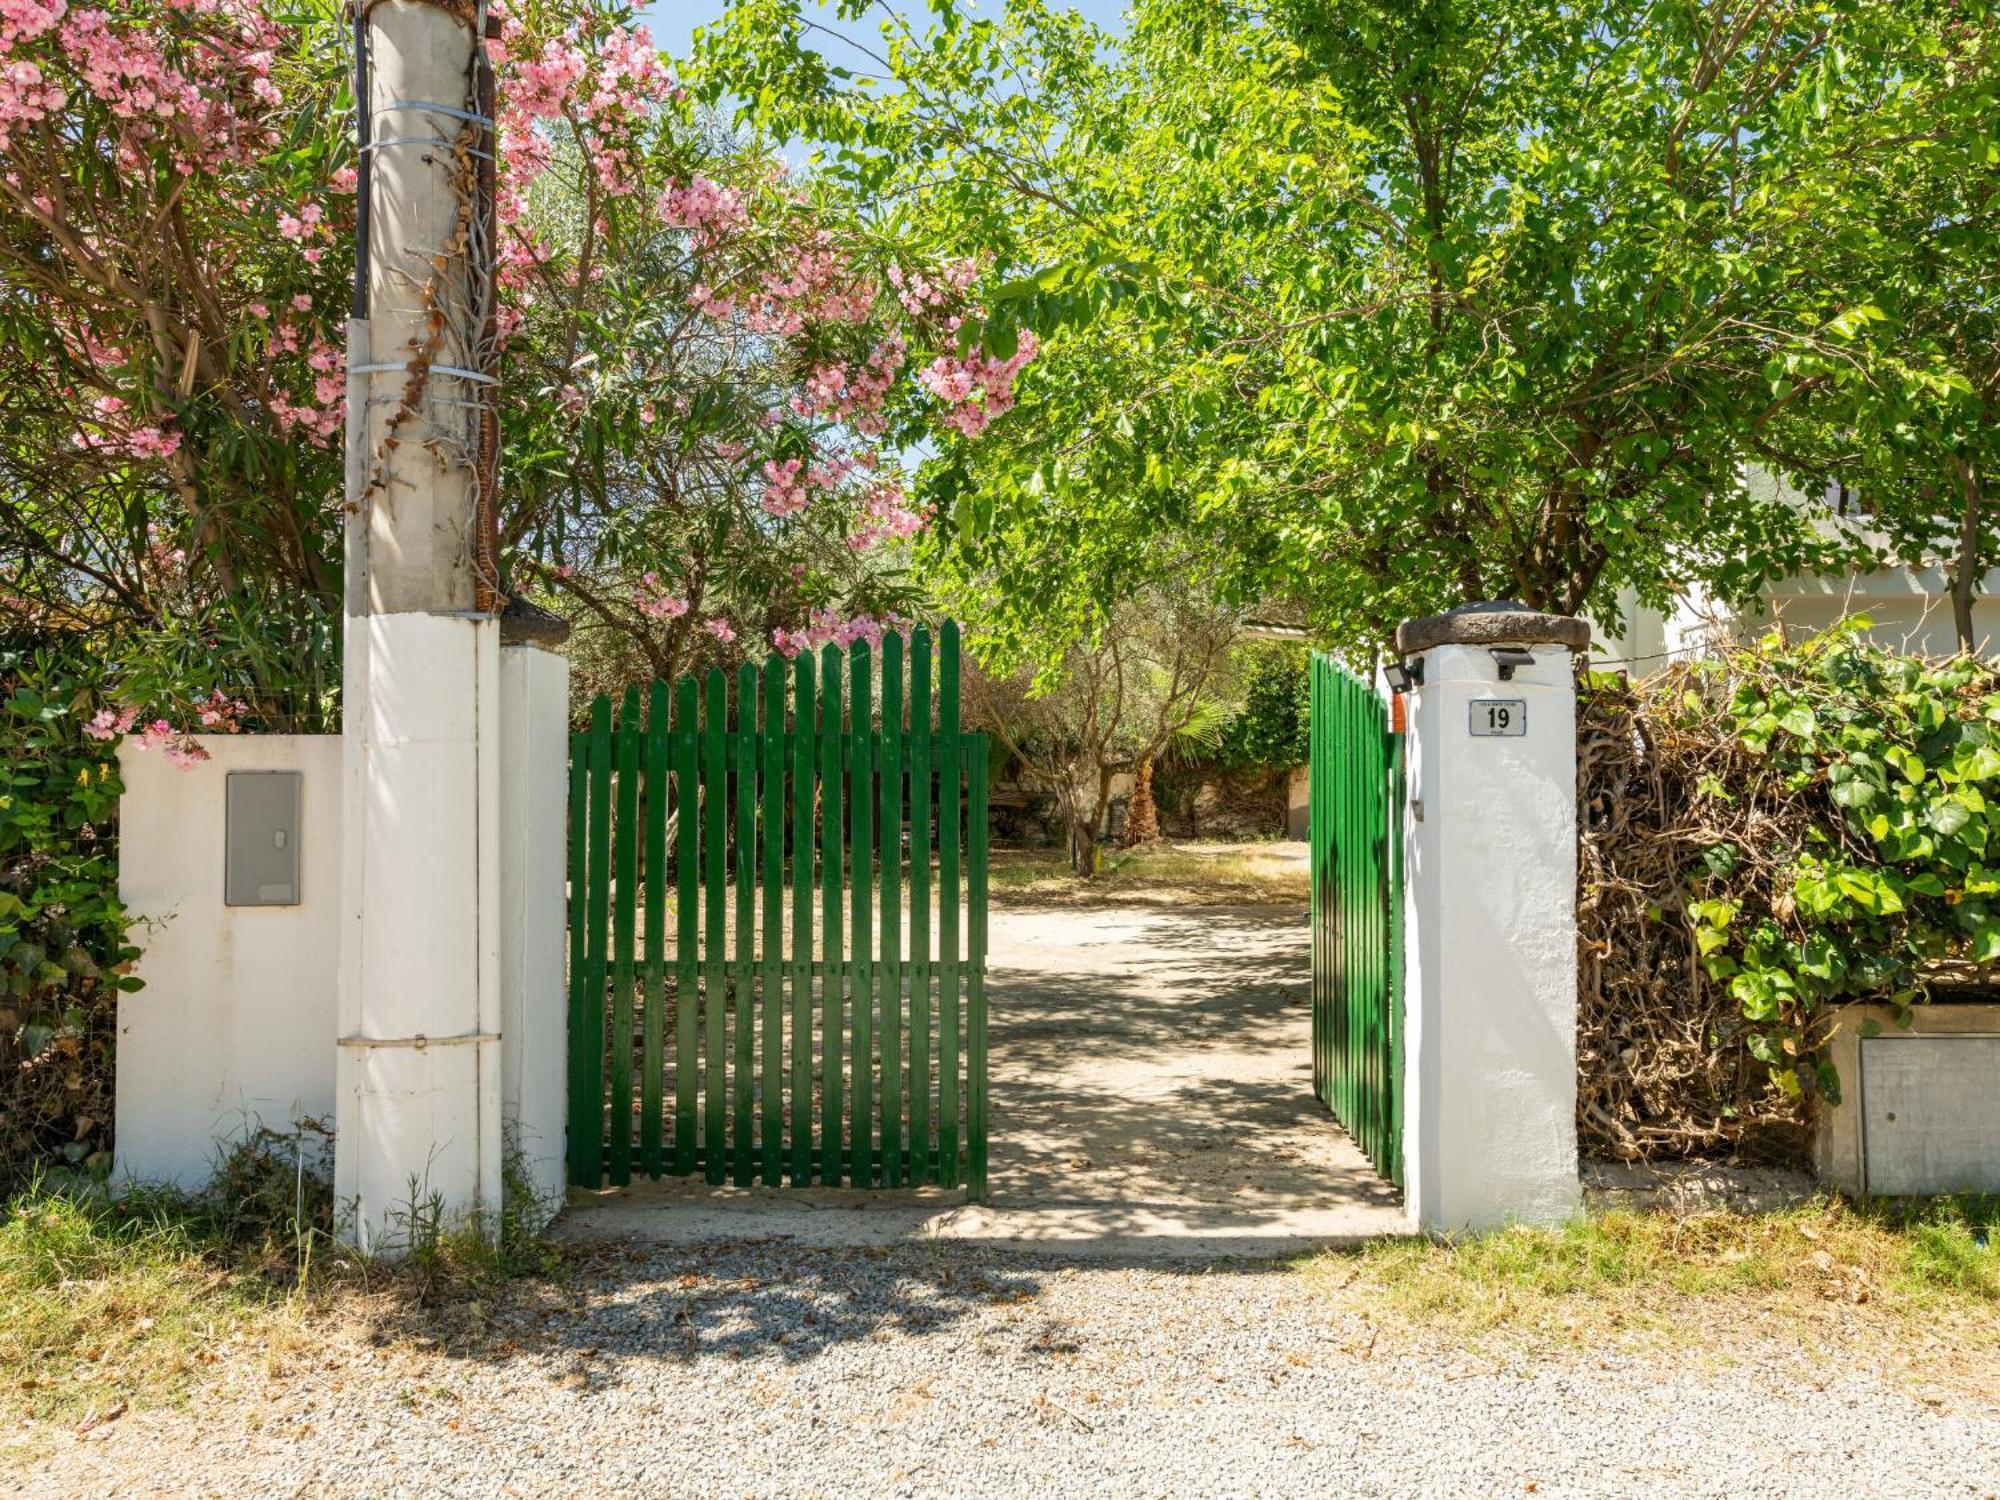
pixel 534 756
pixel 1489 1134
pixel 419 1082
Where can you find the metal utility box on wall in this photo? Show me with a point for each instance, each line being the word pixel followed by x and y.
pixel 1920 1108
pixel 261 860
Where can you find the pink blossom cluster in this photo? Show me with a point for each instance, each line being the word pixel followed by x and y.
pixel 24 20
pixel 222 714
pixel 785 486
pixel 720 628
pixel 108 723
pixel 182 750
pixel 218 712
pixel 886 512
pixel 818 286
pixel 656 602
pixel 540 87
pixel 708 208
pixel 25 97
pixel 976 388
pixel 307 225
pixel 127 442
pixel 919 294
pixel 850 394
pixel 827 627
pixel 320 421
pixel 200 90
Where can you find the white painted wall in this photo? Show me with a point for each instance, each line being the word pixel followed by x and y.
pixel 1490 950
pixel 239 1021
pixel 534 770
pixel 235 1027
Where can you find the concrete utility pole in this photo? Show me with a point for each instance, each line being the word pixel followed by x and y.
pixel 418 1128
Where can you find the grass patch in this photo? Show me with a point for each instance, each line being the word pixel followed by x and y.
pixel 112 1301
pixel 1915 1283
pixel 1163 873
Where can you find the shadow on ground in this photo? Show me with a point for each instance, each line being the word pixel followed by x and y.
pixel 1151 1098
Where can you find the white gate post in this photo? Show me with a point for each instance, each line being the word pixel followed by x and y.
pixel 1489 1125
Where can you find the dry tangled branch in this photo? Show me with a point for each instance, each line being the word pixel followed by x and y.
pixel 1662 1069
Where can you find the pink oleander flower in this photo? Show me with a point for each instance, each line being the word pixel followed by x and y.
pixel 655 602
pixel 708 208
pixel 721 629
pixel 976 388
pixel 185 753
pixel 784 491
pixel 108 724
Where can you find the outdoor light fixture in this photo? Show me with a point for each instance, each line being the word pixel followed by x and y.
pixel 1510 657
pixel 1404 675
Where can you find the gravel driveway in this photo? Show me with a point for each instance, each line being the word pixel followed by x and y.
pixel 1151 1102
pixel 956 1370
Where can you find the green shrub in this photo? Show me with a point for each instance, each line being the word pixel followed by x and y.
pixel 1272 727
pixel 64 954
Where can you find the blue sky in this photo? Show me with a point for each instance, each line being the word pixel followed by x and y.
pixel 674 21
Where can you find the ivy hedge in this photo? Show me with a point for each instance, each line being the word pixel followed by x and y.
pixel 1766 835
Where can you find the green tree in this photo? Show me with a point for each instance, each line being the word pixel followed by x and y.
pixel 1109 705
pixel 1903 406
pixel 1388 304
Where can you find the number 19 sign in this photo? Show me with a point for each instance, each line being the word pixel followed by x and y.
pixel 1499 716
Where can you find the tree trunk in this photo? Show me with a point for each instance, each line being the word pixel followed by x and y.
pixel 1086 854
pixel 1142 817
pixel 1966 568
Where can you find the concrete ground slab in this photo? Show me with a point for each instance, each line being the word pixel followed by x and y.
pixel 1151 1100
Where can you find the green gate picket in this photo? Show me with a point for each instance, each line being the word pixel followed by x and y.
pixel 694 807
pixel 832 874
pixel 714 986
pixel 596 917
pixel 861 823
pixel 947 829
pixel 1356 838
pixel 740 987
pixel 889 973
pixel 625 874
pixel 976 769
pixel 922 1168
pixel 652 1087
pixel 771 960
pixel 687 983
pixel 804 794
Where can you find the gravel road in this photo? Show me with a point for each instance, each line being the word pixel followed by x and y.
pixel 762 1369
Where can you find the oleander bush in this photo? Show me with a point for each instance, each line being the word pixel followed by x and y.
pixel 1765 835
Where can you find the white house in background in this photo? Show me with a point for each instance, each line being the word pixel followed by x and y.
pixel 1910 607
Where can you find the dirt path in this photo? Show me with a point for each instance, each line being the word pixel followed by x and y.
pixel 1151 1097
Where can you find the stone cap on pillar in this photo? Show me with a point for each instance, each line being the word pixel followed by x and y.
pixel 1492 622
pixel 525 624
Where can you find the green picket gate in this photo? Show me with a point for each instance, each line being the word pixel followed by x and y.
pixel 777 927
pixel 1357 912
